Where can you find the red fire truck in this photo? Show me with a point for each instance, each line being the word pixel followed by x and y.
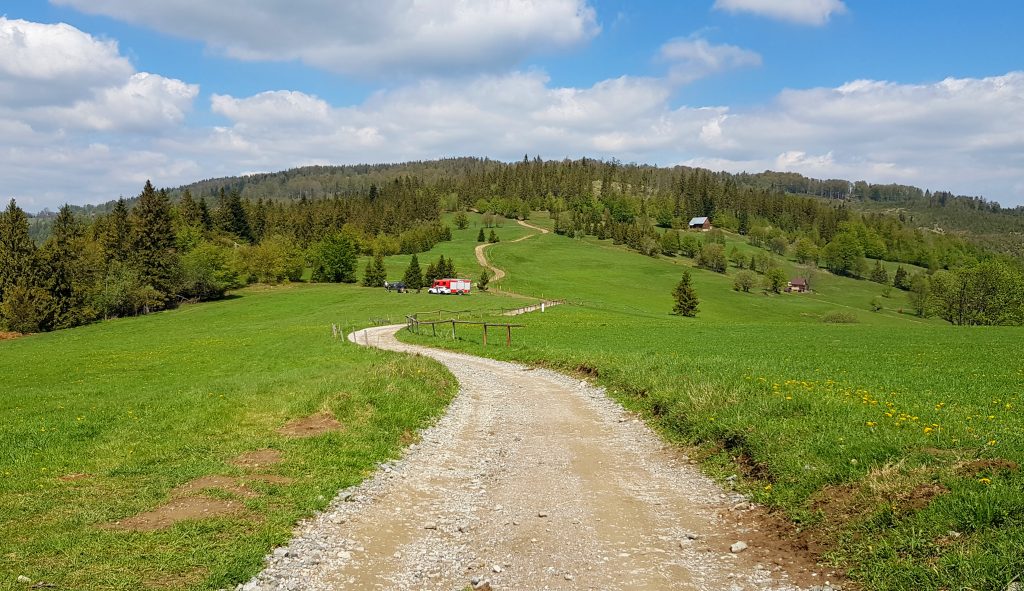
pixel 450 286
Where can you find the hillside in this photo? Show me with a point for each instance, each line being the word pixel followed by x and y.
pixel 979 221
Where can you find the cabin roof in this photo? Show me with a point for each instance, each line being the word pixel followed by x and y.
pixel 698 221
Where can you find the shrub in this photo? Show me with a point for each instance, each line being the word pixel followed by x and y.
pixel 839 317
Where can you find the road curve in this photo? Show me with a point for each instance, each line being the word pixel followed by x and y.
pixel 532 480
pixel 481 258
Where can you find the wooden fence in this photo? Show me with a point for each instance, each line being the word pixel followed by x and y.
pixel 417 326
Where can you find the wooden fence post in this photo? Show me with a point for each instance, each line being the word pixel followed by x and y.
pixel 485 334
pixel 453 330
pixel 508 341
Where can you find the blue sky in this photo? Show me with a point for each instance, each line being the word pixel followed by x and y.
pixel 925 93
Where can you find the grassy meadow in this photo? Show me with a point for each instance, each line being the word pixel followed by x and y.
pixel 892 444
pixel 102 422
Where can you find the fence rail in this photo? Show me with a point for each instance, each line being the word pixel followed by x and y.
pixel 416 325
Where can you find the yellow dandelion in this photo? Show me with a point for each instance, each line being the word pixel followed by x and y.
pixel 985 480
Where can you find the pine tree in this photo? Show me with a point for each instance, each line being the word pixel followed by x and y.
pixel 153 243
pixel 686 297
pixel 485 278
pixel 231 216
pixel 901 280
pixel 188 210
pixel 461 220
pixel 879 274
pixel 493 238
pixel 431 275
pixel 18 261
pixel 375 274
pixel 117 233
pixel 480 237
pixel 67 277
pixel 204 214
pixel 413 277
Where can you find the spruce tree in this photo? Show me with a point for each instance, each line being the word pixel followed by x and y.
pixel 430 275
pixel 153 243
pixel 413 277
pixel 117 233
pixel 18 264
pixel 375 274
pixel 879 274
pixel 901 280
pixel 480 237
pixel 188 210
pixel 67 278
pixel 231 216
pixel 493 238
pixel 686 297
pixel 485 278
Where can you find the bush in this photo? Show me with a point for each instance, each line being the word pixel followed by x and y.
pixel 839 317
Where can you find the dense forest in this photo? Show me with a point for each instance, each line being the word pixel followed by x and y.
pixel 198 241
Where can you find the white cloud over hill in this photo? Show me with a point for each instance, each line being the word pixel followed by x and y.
pixel 376 38
pixel 92 141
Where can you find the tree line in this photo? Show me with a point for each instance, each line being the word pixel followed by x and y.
pixel 154 254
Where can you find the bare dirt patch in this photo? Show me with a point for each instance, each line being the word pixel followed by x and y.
pixel 178 510
pixel 311 426
pixel 259 458
pixel 6 336
pixel 988 467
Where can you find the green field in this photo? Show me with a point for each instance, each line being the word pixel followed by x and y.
pixel 102 422
pixel 877 439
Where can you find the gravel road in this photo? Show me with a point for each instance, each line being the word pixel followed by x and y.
pixel 532 480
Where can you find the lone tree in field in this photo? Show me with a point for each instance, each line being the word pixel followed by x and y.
pixel 461 220
pixel 480 237
pixel 376 274
pixel 686 297
pixel 413 278
pixel 493 238
pixel 879 274
pixel 485 278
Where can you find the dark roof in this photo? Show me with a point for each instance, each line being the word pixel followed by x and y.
pixel 799 281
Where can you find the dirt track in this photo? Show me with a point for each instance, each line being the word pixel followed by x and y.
pixel 532 480
pixel 482 258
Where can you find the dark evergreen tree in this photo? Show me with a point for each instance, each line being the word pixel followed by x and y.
pixel 413 277
pixel 461 220
pixel 431 275
pixel 685 297
pixel 231 216
pixel 205 218
pixel 901 280
pixel 116 236
pixel 18 264
pixel 493 238
pixel 485 278
pixel 189 211
pixel 480 237
pixel 68 274
pixel 153 249
pixel 879 274
pixel 375 274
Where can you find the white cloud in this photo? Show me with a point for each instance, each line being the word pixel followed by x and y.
pixel 376 38
pixel 804 12
pixel 54 63
pixel 962 134
pixel 694 58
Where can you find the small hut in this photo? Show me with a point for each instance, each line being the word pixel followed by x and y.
pixel 797 285
pixel 702 223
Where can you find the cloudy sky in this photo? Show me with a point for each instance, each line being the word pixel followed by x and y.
pixel 96 96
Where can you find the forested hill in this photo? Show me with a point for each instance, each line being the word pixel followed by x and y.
pixel 533 182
